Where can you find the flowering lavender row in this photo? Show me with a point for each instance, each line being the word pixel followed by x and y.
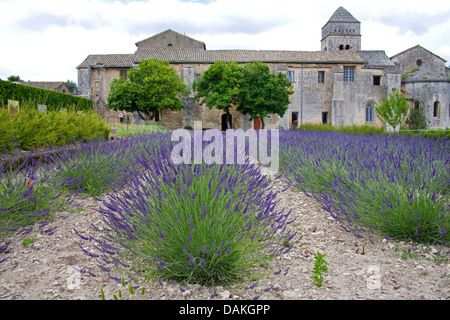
pixel 396 186
pixel 194 223
pixel 30 193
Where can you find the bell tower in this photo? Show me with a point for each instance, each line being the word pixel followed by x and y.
pixel 341 32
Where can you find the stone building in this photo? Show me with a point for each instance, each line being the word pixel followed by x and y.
pixel 425 79
pixel 338 84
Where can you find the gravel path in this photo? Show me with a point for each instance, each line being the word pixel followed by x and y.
pixel 48 269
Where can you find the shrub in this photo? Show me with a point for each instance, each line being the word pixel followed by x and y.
pixel 353 129
pixel 437 134
pixel 204 224
pixel 395 186
pixel 28 195
pixel 35 129
pixel 95 167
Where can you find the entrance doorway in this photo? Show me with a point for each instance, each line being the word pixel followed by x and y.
pixel 294 117
pixel 324 117
pixel 257 123
pixel 224 122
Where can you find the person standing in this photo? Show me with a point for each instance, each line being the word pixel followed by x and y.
pixel 121 117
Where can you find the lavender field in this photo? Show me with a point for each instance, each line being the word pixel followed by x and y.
pixel 211 224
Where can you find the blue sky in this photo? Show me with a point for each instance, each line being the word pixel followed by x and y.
pixel 45 40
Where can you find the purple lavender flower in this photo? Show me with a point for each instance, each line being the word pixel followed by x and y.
pixel 161 234
pixel 203 211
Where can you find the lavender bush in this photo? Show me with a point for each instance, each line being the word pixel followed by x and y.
pixel 204 224
pixel 97 166
pixel 396 186
pixel 28 194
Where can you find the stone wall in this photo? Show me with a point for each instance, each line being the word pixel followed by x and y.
pixel 408 60
pixel 429 93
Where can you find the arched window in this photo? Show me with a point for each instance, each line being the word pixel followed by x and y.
pixel 369 113
pixel 347 47
pixel 169 45
pixel 436 109
pixel 341 47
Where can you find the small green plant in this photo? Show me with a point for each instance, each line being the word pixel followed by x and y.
pixel 407 254
pixel 320 267
pixel 439 259
pixel 28 241
pixel 130 289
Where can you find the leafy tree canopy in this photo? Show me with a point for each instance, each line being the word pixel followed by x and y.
pixel 72 86
pixel 220 87
pixel 392 110
pixel 14 78
pixel 252 89
pixel 152 86
pixel 264 92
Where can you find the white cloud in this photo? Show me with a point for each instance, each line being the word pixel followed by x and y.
pixel 46 40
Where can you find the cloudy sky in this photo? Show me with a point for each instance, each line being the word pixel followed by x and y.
pixel 46 40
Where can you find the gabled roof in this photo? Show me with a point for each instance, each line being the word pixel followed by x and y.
pixel 169 33
pixel 417 47
pixel 342 15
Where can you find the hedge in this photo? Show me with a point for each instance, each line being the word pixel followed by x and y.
pixel 31 95
pixel 33 129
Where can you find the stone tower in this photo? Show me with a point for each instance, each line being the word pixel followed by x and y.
pixel 341 32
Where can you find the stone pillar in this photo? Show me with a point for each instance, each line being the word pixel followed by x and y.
pixel 337 102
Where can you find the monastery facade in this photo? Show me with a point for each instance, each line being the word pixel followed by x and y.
pixel 339 84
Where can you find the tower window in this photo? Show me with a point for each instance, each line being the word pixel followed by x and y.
pixel 341 47
pixel 347 47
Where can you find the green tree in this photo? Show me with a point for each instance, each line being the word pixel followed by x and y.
pixel 251 89
pixel 264 92
pixel 14 78
pixel 220 87
pixel 392 110
pixel 72 86
pixel 152 86
pixel 416 119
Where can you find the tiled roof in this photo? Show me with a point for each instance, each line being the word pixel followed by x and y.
pixel 179 55
pixel 342 15
pixel 116 60
pixel 211 56
pixel 375 58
